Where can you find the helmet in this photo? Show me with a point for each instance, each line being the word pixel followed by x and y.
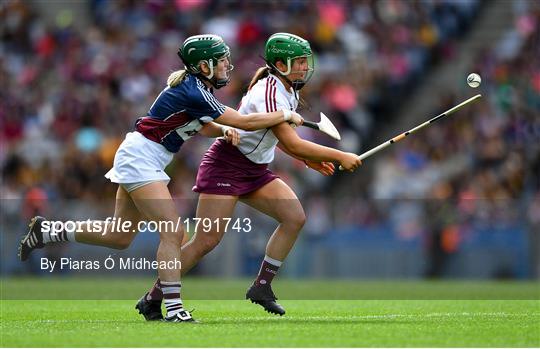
pixel 205 48
pixel 286 47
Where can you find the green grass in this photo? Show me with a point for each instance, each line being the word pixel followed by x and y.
pixel 62 288
pixel 238 323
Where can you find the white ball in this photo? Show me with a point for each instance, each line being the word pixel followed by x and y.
pixel 474 80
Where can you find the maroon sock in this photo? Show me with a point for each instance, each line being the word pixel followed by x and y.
pixel 266 273
pixel 155 294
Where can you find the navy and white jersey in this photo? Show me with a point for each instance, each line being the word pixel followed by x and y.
pixel 179 112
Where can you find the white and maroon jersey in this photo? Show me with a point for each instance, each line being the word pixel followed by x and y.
pixel 266 96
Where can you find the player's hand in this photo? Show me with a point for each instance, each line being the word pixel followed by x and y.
pixel 232 136
pixel 296 119
pixel 325 168
pixel 350 162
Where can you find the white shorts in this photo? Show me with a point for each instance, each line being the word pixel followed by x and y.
pixel 138 161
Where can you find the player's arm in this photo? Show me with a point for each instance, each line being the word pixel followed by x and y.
pixel 300 148
pixel 214 130
pixel 205 107
pixel 286 151
pixel 257 121
pixel 326 168
pixel 306 161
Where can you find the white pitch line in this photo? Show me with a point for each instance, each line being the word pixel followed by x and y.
pixel 325 318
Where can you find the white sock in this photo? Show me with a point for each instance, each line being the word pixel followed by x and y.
pixel 171 297
pixel 273 261
pixel 55 236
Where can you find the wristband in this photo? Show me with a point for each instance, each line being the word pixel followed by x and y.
pixel 286 114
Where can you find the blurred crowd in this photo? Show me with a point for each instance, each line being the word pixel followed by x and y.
pixel 72 91
pixel 487 160
pixel 479 171
pixel 73 88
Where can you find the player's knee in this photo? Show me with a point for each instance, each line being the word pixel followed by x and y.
pixel 207 244
pixel 299 221
pixel 122 243
pixel 172 237
pixel 171 234
pixel 295 220
pixel 302 221
pixel 121 246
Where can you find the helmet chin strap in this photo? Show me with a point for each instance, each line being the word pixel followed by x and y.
pixel 216 83
pixel 296 84
pixel 219 83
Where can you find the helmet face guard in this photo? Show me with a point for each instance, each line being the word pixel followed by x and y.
pixel 213 62
pixel 297 84
pixel 287 47
pixel 208 49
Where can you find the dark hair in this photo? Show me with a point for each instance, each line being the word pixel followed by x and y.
pixel 261 73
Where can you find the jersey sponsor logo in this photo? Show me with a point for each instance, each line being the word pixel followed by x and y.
pixel 189 129
pixel 223 184
pixel 191 133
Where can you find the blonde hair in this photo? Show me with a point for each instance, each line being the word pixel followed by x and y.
pixel 176 78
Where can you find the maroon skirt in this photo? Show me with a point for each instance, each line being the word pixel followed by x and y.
pixel 224 170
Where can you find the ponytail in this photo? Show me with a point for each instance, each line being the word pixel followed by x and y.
pixel 261 73
pixel 176 78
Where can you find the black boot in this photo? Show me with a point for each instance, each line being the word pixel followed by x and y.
pixel 265 297
pixel 32 240
pixel 151 310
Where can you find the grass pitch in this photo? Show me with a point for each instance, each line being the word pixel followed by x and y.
pixel 238 323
